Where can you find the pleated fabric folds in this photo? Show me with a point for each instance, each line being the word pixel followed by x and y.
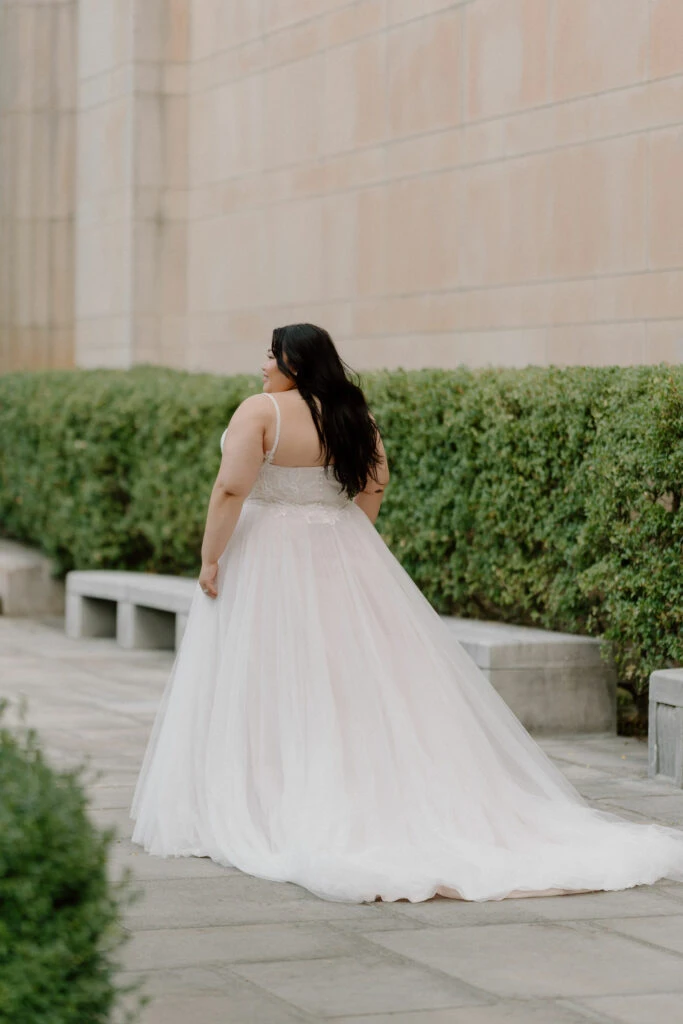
pixel 321 725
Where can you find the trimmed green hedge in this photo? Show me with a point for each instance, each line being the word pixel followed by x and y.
pixel 60 916
pixel 547 497
pixel 110 469
pixel 542 496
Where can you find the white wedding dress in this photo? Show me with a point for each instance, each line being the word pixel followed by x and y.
pixel 321 725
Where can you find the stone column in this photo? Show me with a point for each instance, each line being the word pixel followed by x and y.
pixel 132 159
pixel 37 182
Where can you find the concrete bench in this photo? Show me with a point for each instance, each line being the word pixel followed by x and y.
pixel 142 610
pixel 554 682
pixel 27 586
pixel 665 725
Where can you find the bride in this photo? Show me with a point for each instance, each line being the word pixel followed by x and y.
pixel 321 724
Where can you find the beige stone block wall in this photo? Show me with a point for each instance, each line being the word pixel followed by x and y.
pixel 37 145
pixel 479 181
pixel 483 181
pixel 132 174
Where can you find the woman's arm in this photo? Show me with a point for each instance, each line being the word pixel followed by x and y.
pixel 240 464
pixel 370 499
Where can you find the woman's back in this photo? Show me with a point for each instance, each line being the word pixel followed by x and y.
pixel 298 443
pixel 294 483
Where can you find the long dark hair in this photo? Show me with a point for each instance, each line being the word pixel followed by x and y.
pixel 348 435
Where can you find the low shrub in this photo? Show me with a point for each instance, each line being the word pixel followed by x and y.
pixel 541 496
pixel 59 915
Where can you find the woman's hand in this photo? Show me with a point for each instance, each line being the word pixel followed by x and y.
pixel 208 578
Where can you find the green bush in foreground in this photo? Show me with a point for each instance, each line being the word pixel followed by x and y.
pixel 542 496
pixel 59 914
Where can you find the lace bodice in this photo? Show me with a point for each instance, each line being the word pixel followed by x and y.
pixel 312 490
pixel 298 485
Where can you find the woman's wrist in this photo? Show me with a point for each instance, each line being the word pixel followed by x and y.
pixel 224 511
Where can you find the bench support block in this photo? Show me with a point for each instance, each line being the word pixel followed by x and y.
pixel 27 586
pixel 89 616
pixel 665 726
pixel 144 628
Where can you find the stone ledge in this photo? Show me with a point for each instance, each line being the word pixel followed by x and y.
pixel 154 590
pixel 495 645
pixel 554 682
pixel 27 586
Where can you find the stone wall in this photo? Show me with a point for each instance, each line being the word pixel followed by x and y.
pixel 490 181
pixel 132 182
pixel 38 45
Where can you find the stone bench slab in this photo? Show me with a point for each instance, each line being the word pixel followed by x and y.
pixel 496 645
pixel 142 610
pixel 154 590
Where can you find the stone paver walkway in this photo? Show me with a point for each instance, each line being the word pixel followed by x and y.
pixel 219 947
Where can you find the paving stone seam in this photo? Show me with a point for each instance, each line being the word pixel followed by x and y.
pixel 397 960
pixel 408 924
pixel 587 920
pixel 557 924
pixel 677 896
pixel 668 820
pixel 399 920
pixel 304 922
pixel 586 926
pixel 621 799
pixel 78 668
pixel 275 959
pixel 587 1013
pixel 400 959
pixel 582 1013
pixel 225 973
pixel 603 928
pixel 390 956
pixel 253 881
pixel 608 805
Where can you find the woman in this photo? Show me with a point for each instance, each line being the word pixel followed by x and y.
pixel 321 724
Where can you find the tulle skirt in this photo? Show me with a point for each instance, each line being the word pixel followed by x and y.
pixel 321 725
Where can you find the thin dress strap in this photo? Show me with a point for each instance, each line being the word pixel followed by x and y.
pixel 271 453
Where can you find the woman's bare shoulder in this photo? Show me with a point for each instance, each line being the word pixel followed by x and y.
pixel 252 406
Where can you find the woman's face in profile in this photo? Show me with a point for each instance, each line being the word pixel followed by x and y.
pixel 273 378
